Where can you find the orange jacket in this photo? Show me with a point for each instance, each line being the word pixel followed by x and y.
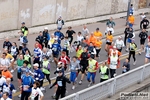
pixel 92 39
pixel 131 19
pixel 7 74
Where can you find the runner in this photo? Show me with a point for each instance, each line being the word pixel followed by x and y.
pixel 126 66
pixel 4 62
pixel 70 33
pixel 27 83
pixel 130 36
pixel 113 62
pixel 132 49
pixel 46 37
pixel 40 39
pixel 144 23
pixel 46 69
pixel 131 20
pixel 109 28
pixel 8 87
pixel 109 40
pixel 74 67
pixel 5 96
pixel 97 33
pixel 37 55
pixel 143 36
pixel 14 51
pixel 61 82
pixel 91 49
pixel 59 36
pixel 27 57
pixel 98 45
pixel 119 43
pixel 56 49
pixel 60 23
pixel 92 68
pixel 126 32
pixel 64 59
pixel 110 22
pixel 2 81
pixel 83 63
pixel 66 46
pixel 7 44
pixel 38 76
pixel 147 53
pixel 85 31
pixel 24 30
pixel 104 72
pixel 36 93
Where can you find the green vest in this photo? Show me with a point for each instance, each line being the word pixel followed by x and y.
pixel 103 70
pixel 25 32
pixel 44 69
pixel 26 57
pixel 92 66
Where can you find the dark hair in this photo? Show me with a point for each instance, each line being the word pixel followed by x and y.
pixel 15 44
pixel 131 4
pixel 7 94
pixel 37 83
pixel 74 57
pixel 0 72
pixel 70 27
pixel 26 62
pixel 79 32
pixel 5 53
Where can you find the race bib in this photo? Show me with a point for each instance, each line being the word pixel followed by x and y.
pixel 25 87
pixel 59 83
pixel 72 67
pixel 54 49
pixel 113 63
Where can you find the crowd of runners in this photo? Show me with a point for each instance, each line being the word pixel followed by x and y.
pixel 33 66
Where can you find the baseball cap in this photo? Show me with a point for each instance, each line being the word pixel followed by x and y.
pixel 27 71
pixel 59 62
pixel 36 64
pixel 23 23
pixel 130 14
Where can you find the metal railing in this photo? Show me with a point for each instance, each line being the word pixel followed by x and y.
pixel 112 86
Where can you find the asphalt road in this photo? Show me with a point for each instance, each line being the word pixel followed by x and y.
pixel 119 27
pixel 140 61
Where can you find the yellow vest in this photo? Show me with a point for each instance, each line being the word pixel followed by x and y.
pixel 104 70
pixel 79 52
pixel 92 65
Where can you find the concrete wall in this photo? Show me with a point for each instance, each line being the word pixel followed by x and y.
pixel 41 12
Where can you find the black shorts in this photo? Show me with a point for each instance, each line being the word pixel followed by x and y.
pixel 70 39
pixel 142 41
pixel 108 43
pixel 55 55
pixel 18 75
pixel 83 70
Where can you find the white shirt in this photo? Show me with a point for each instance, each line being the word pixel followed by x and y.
pixel 109 29
pixel 119 44
pixel 36 92
pixel 2 81
pixel 59 25
pixel 4 62
pixel 113 62
pixel 143 16
pixel 5 99
pixel 85 31
pixel 79 38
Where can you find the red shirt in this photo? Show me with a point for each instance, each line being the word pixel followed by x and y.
pixel 39 45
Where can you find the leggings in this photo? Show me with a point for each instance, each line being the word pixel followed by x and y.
pixel 112 72
pixel 25 95
pixel 41 83
pixel 97 52
pixel 133 55
pixel 47 77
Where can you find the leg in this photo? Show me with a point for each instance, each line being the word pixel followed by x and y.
pixel 63 93
pixel 133 54
pixel 88 77
pixel 23 95
pixel 93 77
pixel 97 52
pixel 27 95
pixel 58 92
pixel 129 56
pixel 47 77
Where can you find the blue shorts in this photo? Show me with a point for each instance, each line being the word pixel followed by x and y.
pixel 129 40
pixel 89 76
pixel 73 76
pixel 147 57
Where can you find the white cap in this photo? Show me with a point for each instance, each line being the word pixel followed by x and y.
pixel 114 47
pixel 46 28
pixel 36 64
pixel 130 14
pixel 120 37
pixel 59 62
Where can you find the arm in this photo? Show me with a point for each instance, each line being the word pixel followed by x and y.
pixel 133 35
pixel 67 80
pixel 54 84
pixel 107 72
pixel 41 94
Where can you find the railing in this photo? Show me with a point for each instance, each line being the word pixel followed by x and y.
pixel 112 86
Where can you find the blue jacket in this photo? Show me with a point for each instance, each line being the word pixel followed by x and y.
pixel 38 75
pixel 8 89
pixel 59 35
pixel 56 48
pixel 27 80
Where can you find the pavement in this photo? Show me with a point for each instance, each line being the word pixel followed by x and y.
pixel 119 29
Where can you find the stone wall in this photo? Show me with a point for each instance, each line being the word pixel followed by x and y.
pixel 42 12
